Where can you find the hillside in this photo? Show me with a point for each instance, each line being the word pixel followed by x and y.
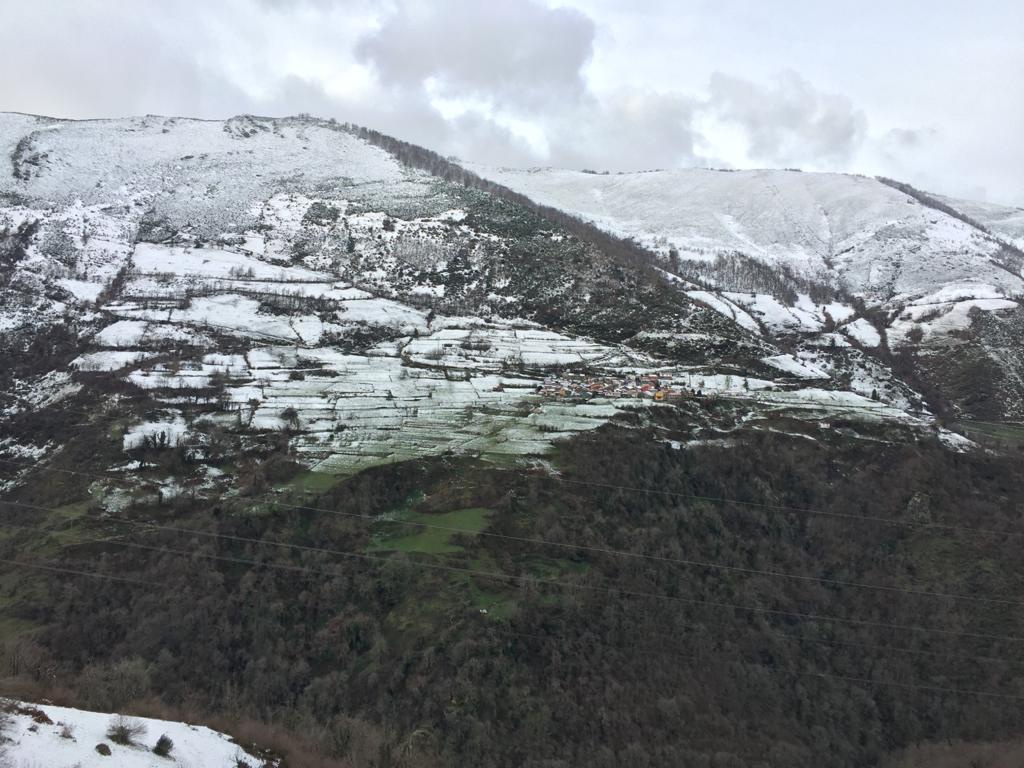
pixel 929 274
pixel 1004 221
pixel 377 311
pixel 387 461
pixel 865 237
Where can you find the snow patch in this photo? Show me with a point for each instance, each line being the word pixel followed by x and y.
pixel 166 431
pixel 33 743
pixel 863 332
pixel 790 365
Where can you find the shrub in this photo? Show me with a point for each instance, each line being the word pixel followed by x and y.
pixel 321 213
pixel 123 730
pixel 163 746
pixel 111 687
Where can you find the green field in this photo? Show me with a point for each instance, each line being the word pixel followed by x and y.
pixel 982 431
pixel 401 536
pixel 308 483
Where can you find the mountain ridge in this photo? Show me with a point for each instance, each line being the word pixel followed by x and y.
pixel 995 207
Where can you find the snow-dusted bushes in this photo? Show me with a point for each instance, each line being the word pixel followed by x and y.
pixel 163 746
pixel 125 730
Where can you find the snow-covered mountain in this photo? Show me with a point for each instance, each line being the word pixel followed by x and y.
pixel 1004 221
pixel 922 268
pixel 216 285
pixel 864 236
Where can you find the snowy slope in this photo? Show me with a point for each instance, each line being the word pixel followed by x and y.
pixel 60 737
pixel 1003 221
pixel 252 276
pixel 868 238
pixel 202 172
pixel 232 281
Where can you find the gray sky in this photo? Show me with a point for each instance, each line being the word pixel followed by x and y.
pixel 928 92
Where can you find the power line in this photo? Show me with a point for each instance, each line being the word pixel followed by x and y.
pixel 563 638
pixel 614 552
pixel 914 686
pixel 783 507
pixel 654 491
pixel 521 578
pixel 825 675
pixel 61 569
pixel 307 569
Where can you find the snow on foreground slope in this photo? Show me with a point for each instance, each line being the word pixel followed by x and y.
pixel 45 736
pixel 854 232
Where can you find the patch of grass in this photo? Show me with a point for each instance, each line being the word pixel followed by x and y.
pixel 311 483
pixel 1006 434
pixel 12 626
pixel 69 512
pixel 431 605
pixel 396 537
pixel 497 604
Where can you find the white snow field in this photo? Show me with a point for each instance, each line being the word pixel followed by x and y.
pixel 69 739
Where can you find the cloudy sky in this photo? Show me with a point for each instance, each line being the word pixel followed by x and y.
pixel 931 92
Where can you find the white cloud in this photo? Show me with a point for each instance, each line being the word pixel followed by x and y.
pixel 926 92
pixel 789 122
pixel 516 52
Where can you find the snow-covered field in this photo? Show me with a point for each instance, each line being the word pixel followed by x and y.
pixel 457 390
pixel 432 385
pixel 201 167
pixel 45 736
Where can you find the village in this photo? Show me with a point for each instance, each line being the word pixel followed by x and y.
pixel 656 386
